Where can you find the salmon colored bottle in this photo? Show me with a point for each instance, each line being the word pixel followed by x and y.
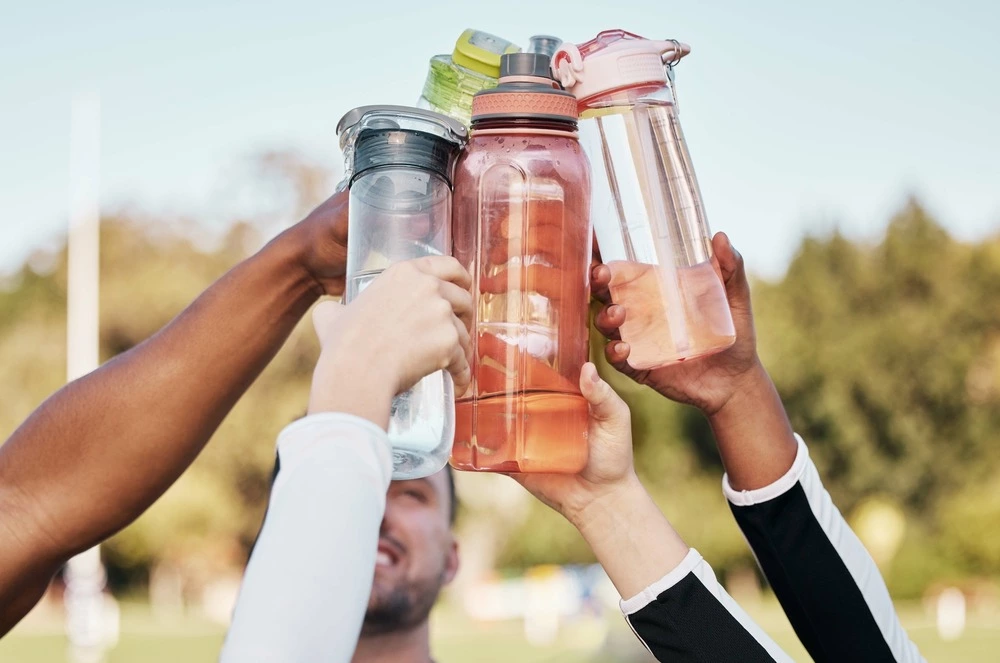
pixel 521 225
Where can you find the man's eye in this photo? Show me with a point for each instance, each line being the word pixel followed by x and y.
pixel 417 495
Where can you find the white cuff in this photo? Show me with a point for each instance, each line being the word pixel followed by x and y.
pixel 648 595
pixel 335 436
pixel 776 489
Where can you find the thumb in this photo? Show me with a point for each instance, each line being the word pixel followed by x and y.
pixel 326 316
pixel 733 269
pixel 606 406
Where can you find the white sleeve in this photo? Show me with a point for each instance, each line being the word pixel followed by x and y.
pixel 306 587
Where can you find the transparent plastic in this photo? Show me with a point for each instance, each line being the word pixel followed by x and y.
pixel 651 228
pixel 399 214
pixel 398 164
pixel 449 88
pixel 522 228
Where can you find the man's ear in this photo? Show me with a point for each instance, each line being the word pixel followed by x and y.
pixel 451 563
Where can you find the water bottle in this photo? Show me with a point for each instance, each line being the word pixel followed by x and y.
pixel 399 167
pixel 452 80
pixel 522 229
pixel 647 210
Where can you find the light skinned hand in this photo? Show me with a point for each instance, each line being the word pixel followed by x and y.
pixel 609 466
pixel 411 321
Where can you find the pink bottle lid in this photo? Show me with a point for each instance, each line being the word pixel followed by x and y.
pixel 613 60
pixel 526 90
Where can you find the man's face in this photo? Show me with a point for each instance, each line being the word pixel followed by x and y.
pixel 417 554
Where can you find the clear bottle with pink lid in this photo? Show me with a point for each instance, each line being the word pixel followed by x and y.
pixel 521 225
pixel 647 210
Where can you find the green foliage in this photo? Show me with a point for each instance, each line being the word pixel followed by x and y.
pixel 887 356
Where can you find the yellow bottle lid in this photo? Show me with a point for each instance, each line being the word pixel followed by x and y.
pixel 481 51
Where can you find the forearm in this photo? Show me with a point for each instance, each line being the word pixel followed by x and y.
pixel 670 595
pixel 752 431
pixel 306 586
pixel 102 449
pixel 630 537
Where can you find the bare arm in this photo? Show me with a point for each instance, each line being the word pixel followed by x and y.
pixel 100 450
pixel 826 581
pixel 732 387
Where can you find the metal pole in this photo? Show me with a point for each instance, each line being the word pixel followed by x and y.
pixel 85 577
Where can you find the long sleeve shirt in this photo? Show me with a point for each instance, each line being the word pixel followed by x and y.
pixel 306 586
pixel 827 583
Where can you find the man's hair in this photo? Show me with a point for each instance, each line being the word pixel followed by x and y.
pixel 452 495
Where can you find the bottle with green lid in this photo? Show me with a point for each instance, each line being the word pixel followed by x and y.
pixel 473 66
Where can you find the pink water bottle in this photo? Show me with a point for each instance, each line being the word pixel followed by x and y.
pixel 646 207
pixel 521 225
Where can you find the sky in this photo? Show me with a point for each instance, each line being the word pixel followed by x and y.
pixel 801 117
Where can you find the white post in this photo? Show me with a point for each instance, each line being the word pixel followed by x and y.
pixel 85 578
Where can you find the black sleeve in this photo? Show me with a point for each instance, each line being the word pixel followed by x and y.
pixel 827 583
pixel 688 617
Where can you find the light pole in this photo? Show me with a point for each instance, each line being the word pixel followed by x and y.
pixel 86 626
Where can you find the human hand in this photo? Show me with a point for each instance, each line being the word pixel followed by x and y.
pixel 609 468
pixel 319 244
pixel 412 320
pixel 707 383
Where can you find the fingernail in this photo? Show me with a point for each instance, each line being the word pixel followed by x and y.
pixel 595 377
pixel 619 347
pixel 614 310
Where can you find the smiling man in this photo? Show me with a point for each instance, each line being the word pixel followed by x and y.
pixel 417 556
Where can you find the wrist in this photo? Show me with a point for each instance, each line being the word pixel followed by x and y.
pixel 594 511
pixel 631 537
pixel 346 381
pixel 288 253
pixel 748 389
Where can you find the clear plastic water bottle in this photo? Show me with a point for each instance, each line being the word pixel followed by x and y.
pixel 647 209
pixel 453 80
pixel 400 162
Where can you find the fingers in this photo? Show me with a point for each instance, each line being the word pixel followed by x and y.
pixel 325 319
pixel 609 319
pixel 600 281
pixel 545 242
pixel 733 270
pixel 445 268
pixel 541 279
pixel 617 352
pixel 458 361
pixel 500 362
pixel 605 404
pixel 460 300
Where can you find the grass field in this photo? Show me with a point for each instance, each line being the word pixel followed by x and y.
pixel 457 640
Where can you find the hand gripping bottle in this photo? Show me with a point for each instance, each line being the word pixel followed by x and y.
pixel 399 169
pixel 647 210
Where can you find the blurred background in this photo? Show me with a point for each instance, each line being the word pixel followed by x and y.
pixel 849 149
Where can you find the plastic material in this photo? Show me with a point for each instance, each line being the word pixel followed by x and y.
pixel 544 44
pixel 648 215
pixel 452 80
pixel 522 227
pixel 399 209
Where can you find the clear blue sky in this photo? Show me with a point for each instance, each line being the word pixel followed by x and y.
pixel 800 116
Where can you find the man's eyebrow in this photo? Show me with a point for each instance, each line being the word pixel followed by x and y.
pixel 423 481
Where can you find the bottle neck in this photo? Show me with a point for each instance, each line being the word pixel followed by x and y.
pixel 499 124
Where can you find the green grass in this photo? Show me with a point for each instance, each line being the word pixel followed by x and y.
pixel 457 640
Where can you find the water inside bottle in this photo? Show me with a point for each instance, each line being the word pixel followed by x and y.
pixel 643 291
pixel 417 421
